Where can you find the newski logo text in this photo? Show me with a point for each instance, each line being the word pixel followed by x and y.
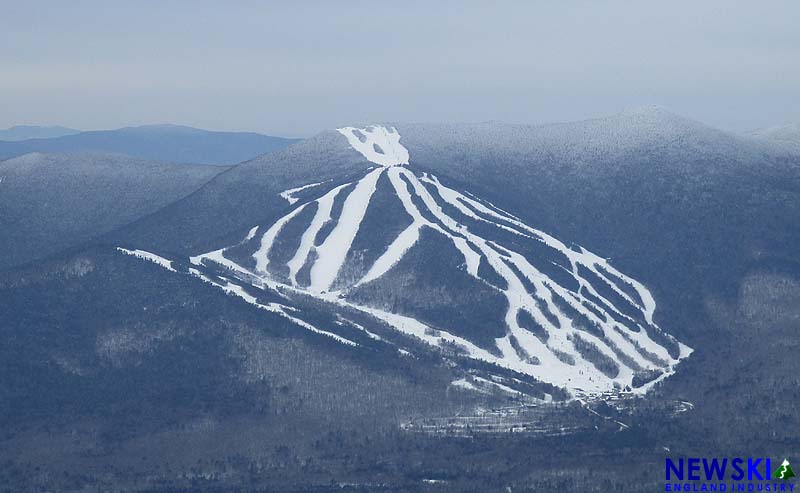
pixel 730 475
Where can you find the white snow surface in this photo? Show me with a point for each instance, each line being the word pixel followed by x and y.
pixel 332 252
pixel 322 216
pixel 262 254
pixel 237 290
pixel 152 257
pixel 251 234
pixel 380 145
pixel 289 194
pixel 466 384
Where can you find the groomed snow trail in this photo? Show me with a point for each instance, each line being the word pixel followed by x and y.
pixel 152 257
pixel 380 145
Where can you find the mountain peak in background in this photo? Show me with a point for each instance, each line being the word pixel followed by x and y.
pixel 163 143
pixel 25 132
pixel 784 135
pixel 649 109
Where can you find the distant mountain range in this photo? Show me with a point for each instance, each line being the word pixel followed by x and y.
pixel 25 132
pixel 163 143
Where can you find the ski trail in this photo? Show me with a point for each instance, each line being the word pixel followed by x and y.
pixel 262 254
pixel 323 215
pixel 471 257
pixel 152 257
pixel 519 299
pixel 239 291
pixel 333 251
pixel 393 253
pixel 380 145
pixel 585 258
pixel 408 238
pixel 288 195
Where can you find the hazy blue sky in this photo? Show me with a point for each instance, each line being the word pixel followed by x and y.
pixel 293 68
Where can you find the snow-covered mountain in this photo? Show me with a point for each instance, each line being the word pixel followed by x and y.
pixel 439 264
pixel 783 135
